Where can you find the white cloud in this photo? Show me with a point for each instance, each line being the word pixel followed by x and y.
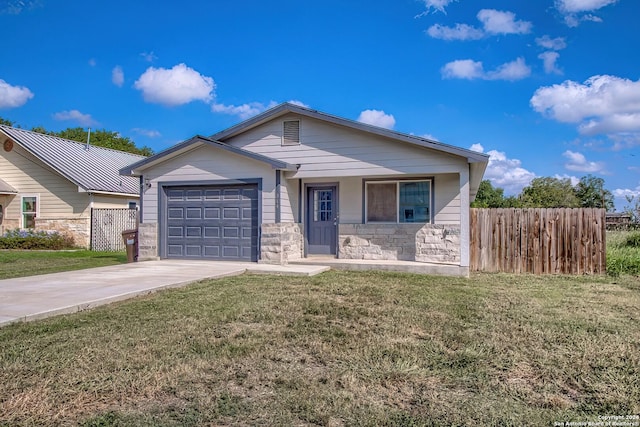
pixel 623 193
pixel 500 22
pixel 577 162
pixel 575 10
pixel 148 56
pixel 76 116
pixel 504 172
pixel 243 111
pixel 117 76
pixel 549 60
pixel 547 42
pixel 13 96
pixel 437 5
pixel 175 86
pixel 602 105
pixel 92 62
pixel 459 32
pixel 477 147
pixel 15 7
pixel 514 70
pixel 577 6
pixel 150 133
pixel 377 118
pixel 298 103
pixel 463 69
pixel 470 70
pixel 493 21
pixel 574 179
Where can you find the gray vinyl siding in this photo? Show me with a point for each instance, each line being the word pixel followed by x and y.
pixel 328 150
pixel 446 191
pixel 289 200
pixel 207 164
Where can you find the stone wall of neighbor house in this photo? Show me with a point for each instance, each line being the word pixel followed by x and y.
pixel 78 228
pixel 147 241
pixel 281 243
pixel 406 242
pixel 9 224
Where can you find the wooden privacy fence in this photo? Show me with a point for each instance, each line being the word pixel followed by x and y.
pixel 538 241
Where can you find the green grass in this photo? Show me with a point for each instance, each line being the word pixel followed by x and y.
pixel 623 253
pixel 341 348
pixel 29 263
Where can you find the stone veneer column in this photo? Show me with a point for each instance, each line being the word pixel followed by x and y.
pixel 280 243
pixel 147 241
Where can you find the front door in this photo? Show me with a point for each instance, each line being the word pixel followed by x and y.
pixel 322 220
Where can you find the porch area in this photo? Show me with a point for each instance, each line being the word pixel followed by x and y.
pixel 385 265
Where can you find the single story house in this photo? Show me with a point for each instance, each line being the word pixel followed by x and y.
pixel 50 183
pixel 293 182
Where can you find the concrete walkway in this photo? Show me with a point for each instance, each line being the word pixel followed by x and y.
pixel 38 297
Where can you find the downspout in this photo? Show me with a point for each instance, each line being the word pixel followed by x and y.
pixel 278 196
pixel 142 188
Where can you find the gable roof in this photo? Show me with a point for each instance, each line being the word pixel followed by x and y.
pixel 6 188
pixel 286 108
pixel 198 140
pixel 91 168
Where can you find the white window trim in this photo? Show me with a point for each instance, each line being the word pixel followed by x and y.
pixel 397 182
pixel 22 197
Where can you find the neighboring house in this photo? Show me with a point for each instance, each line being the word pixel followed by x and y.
pixel 293 182
pixel 50 183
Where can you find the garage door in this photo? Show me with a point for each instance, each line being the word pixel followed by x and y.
pixel 212 222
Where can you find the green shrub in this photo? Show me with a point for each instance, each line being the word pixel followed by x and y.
pixel 623 253
pixel 633 241
pixel 31 239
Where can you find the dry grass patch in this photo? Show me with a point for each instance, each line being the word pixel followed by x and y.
pixel 342 348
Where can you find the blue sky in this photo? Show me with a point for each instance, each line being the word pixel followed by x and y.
pixel 546 87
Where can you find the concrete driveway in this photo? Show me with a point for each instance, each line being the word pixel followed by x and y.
pixel 37 297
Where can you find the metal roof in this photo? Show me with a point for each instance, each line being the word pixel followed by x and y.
pixel 92 168
pixel 6 188
pixel 197 140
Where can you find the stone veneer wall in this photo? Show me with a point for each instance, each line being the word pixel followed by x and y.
pixel 78 228
pixel 407 242
pixel 147 241
pixel 281 243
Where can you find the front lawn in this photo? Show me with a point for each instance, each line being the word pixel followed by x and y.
pixel 15 263
pixel 342 348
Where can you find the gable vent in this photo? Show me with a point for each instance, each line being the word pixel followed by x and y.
pixel 291 132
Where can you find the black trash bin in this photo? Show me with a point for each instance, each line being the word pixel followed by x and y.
pixel 130 238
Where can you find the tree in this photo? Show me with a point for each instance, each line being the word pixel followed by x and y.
pixel 6 122
pixel 633 208
pixel 104 138
pixel 488 196
pixel 591 193
pixel 548 192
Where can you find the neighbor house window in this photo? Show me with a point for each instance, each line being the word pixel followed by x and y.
pixel 398 201
pixel 29 211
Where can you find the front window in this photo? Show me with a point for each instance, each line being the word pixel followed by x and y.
pixel 29 211
pixel 398 201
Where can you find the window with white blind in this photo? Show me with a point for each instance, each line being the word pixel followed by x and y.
pixel 398 201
